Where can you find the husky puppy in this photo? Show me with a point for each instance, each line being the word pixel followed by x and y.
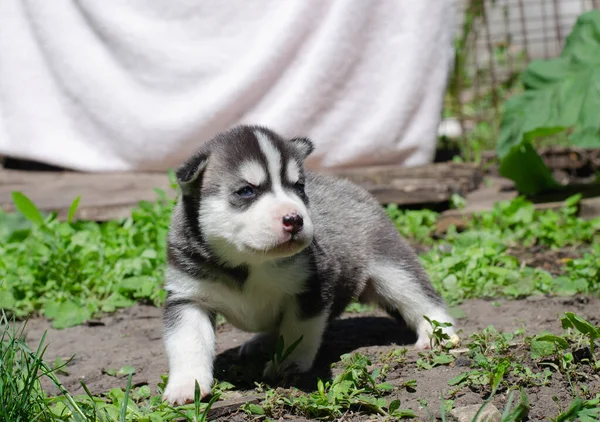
pixel 279 251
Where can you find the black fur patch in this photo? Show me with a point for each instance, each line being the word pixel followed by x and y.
pixel 189 170
pixel 304 146
pixel 172 312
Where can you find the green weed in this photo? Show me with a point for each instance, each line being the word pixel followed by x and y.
pixel 22 398
pixel 70 271
pixel 356 388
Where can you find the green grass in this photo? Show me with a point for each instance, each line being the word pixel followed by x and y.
pixel 22 398
pixel 70 271
pixel 479 262
pixel 500 362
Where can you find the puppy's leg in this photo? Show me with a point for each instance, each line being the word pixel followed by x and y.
pixel 190 345
pixel 396 288
pixel 259 343
pixel 292 327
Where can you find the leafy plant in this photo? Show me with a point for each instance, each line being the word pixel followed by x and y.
pixel 520 411
pixel 355 388
pixel 561 95
pixel 581 410
pixel 21 369
pixel 570 320
pixel 69 271
pixel 282 352
pixel 438 337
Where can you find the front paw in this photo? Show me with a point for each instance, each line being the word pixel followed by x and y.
pixel 424 339
pixel 180 389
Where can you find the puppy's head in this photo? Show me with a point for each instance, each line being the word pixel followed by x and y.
pixel 248 187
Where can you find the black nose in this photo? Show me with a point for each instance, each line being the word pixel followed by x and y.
pixel 292 223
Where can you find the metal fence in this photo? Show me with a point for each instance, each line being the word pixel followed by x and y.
pixel 495 40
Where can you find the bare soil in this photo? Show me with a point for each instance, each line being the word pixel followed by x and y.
pixel 133 337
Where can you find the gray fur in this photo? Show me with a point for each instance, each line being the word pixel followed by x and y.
pixel 351 230
pixel 355 252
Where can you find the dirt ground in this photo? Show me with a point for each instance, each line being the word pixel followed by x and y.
pixel 133 337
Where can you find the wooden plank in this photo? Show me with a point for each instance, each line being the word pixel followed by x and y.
pixel 417 191
pixel 227 407
pixel 428 184
pixel 106 196
pixel 386 175
pixel 560 158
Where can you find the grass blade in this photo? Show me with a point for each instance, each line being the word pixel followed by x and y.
pixel 73 209
pixel 123 417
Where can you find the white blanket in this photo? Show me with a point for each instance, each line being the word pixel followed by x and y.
pixel 113 85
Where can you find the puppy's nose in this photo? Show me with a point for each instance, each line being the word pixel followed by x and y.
pixel 292 223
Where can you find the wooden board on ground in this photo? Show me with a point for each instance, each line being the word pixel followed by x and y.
pixel 429 184
pixel 106 196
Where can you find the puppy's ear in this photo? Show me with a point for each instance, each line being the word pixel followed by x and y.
pixel 189 172
pixel 304 146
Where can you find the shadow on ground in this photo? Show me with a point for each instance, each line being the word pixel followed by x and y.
pixel 343 336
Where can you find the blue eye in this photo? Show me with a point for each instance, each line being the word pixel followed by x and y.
pixel 245 192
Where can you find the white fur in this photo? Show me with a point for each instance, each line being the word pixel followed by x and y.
pixel 398 287
pixel 292 171
pixel 272 155
pixel 291 329
pixel 256 307
pixel 190 349
pixel 251 236
pixel 240 238
pixel 253 173
pixel 274 166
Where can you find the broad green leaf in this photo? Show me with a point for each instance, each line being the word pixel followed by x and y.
pixel 570 320
pixel 541 349
pixel 559 341
pixel 394 405
pixel 525 167
pixel 561 95
pixel 27 208
pixel 385 386
pixel 126 370
pixel 459 378
pixel 7 300
pixel 68 314
pixel 443 359
pixel 255 409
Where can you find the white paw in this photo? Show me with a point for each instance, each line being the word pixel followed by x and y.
pixel 181 389
pixel 424 341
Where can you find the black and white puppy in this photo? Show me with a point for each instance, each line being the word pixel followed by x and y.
pixel 278 251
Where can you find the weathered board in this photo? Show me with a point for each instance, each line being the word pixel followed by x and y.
pixel 429 184
pixel 104 196
pixel 107 196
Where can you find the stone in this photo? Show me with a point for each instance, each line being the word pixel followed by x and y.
pixel 467 413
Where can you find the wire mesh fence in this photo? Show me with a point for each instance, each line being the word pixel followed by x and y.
pixel 495 41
